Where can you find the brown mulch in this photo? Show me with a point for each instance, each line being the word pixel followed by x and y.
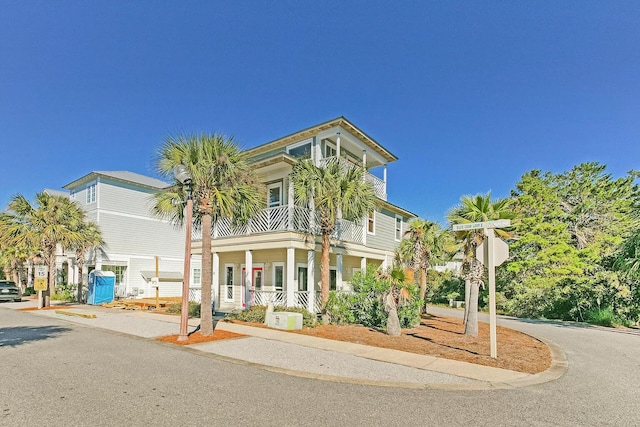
pixel 444 337
pixel 196 338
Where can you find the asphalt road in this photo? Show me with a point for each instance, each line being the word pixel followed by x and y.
pixel 58 373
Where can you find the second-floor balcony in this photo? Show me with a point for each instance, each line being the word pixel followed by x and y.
pixel 284 218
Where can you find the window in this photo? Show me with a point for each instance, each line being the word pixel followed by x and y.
pixel 118 270
pixel 274 197
pixel 91 193
pixel 398 228
pixel 329 150
pixel 301 150
pixel 302 278
pixel 333 279
pixel 371 222
pixel 278 276
pixel 228 282
pixel 197 276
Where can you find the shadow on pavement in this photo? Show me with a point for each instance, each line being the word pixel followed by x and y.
pixel 18 335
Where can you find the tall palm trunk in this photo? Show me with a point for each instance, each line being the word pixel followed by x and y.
pixel 324 268
pixel 80 262
pixel 474 278
pixel 423 288
pixel 467 290
pixel 206 317
pixel 471 327
pixel 51 264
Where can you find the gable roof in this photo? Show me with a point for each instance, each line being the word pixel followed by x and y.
pixel 314 130
pixel 121 176
pixel 51 192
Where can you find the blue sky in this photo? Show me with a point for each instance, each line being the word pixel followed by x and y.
pixel 469 95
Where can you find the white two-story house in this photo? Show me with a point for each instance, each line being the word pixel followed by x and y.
pixel 274 258
pixel 139 247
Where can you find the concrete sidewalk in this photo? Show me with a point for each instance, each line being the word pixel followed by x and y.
pixel 307 356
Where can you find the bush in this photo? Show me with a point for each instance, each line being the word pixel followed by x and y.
pixel 176 308
pixel 365 307
pixel 257 313
pixel 29 291
pixel 65 292
pixel 605 317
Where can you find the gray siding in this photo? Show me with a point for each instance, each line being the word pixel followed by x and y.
pixel 384 237
pixel 139 236
pixel 123 198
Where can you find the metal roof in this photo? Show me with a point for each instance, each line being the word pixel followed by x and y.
pixel 122 176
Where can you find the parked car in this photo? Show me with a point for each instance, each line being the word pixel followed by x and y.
pixel 9 291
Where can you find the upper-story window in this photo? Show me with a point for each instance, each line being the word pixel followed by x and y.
pixel 329 150
pixel 398 228
pixel 371 222
pixel 301 150
pixel 274 196
pixel 91 193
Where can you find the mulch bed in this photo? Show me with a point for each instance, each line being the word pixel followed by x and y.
pixel 196 338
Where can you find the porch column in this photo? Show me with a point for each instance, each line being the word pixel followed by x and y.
pixel 290 201
pixel 384 176
pixel 291 260
pixel 248 272
pixel 364 159
pixel 215 287
pixel 363 264
pixel 385 263
pixel 339 272
pixel 311 286
pixel 338 144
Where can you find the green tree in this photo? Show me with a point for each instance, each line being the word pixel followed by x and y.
pixel 90 237
pixel 223 185
pixel 477 208
pixel 46 224
pixel 424 244
pixel 571 225
pixel 336 190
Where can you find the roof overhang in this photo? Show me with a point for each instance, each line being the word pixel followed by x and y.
pixel 315 130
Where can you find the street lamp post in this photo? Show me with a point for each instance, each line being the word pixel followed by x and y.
pixel 182 174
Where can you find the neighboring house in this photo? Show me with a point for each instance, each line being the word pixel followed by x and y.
pixel 273 258
pixel 138 245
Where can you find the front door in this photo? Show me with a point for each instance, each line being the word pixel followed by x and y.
pixel 248 294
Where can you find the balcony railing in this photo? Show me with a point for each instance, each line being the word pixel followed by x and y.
pixel 379 185
pixel 284 218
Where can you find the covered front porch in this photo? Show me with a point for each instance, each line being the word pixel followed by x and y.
pixel 288 277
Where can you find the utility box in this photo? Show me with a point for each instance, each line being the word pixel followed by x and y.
pixel 102 285
pixel 284 320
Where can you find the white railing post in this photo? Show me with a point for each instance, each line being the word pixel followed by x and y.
pixel 289 280
pixel 311 286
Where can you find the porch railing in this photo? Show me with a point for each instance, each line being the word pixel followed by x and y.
pixel 279 298
pixel 282 218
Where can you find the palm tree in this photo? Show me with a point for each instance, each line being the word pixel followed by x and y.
pixel 90 237
pixel 477 208
pixel 334 191
pixel 424 244
pixel 222 186
pixel 45 225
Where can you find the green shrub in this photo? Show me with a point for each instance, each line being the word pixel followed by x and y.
pixel 176 308
pixel 364 306
pixel 65 292
pixel 605 317
pixel 256 314
pixel 29 291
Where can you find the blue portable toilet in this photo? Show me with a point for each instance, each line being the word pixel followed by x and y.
pixel 102 285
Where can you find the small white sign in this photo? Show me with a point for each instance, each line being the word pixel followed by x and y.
pixel 500 223
pixel 41 271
